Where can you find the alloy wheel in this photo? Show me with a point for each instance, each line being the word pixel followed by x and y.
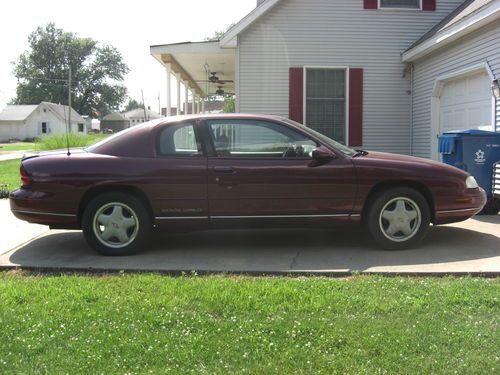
pixel 400 219
pixel 115 225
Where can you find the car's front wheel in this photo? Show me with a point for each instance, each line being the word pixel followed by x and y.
pixel 398 218
pixel 116 224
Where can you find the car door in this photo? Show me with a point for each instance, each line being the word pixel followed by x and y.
pixel 264 169
pixel 179 172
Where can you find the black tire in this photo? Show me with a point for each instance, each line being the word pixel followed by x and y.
pixel 128 234
pixel 400 232
pixel 492 207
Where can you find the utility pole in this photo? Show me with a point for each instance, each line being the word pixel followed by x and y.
pixel 69 110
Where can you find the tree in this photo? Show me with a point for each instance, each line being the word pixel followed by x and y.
pixel 97 72
pixel 218 34
pixel 229 104
pixel 133 104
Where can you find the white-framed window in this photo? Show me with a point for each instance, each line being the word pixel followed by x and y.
pixel 326 101
pixel 400 4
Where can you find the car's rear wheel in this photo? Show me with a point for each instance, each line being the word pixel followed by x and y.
pixel 116 224
pixel 398 218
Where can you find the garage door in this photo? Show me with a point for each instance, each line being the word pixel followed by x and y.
pixel 465 103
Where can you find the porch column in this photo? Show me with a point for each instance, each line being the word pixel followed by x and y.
pixel 193 102
pixel 178 79
pixel 186 97
pixel 202 105
pixel 169 99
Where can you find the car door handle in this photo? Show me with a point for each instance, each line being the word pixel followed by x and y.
pixel 223 170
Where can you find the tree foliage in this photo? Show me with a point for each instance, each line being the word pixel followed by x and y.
pixel 97 72
pixel 229 105
pixel 217 35
pixel 133 104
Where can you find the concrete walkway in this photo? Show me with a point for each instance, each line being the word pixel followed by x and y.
pixel 469 247
pixel 11 155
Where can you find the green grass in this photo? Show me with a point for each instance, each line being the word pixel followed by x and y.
pixel 9 175
pixel 59 141
pixel 18 146
pixel 228 325
pixel 53 142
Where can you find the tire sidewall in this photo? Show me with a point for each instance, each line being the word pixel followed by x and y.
pixel 135 204
pixel 376 205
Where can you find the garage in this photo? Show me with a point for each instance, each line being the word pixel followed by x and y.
pixel 466 103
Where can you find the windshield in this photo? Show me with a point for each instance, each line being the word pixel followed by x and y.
pixel 323 138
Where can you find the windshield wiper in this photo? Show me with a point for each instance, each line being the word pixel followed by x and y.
pixel 360 153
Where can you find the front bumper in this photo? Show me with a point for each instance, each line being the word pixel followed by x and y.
pixel 460 208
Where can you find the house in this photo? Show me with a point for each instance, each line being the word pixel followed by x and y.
pixel 115 121
pixel 19 122
pixel 384 75
pixel 140 115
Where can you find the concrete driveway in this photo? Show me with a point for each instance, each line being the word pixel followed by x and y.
pixel 469 247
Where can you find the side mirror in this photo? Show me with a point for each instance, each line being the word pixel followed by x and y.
pixel 321 153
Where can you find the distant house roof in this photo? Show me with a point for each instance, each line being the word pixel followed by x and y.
pixel 17 112
pixel 138 113
pixel 14 112
pixel 115 116
pixel 469 16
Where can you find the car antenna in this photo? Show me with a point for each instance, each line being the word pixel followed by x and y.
pixel 68 128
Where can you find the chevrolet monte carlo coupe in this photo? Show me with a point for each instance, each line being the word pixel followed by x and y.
pixel 234 171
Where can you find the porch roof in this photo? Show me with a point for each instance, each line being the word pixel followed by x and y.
pixel 193 62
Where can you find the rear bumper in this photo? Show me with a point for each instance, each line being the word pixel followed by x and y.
pixel 461 207
pixel 33 207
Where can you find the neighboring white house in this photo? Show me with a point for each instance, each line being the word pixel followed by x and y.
pixel 139 115
pixel 379 74
pixel 19 122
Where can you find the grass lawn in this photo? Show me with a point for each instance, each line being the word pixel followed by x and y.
pixel 9 174
pixel 194 325
pixel 54 142
pixel 18 146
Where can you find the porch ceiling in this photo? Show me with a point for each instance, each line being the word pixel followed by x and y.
pixel 190 60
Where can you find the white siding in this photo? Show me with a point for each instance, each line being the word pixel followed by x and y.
pixel 481 46
pixel 336 33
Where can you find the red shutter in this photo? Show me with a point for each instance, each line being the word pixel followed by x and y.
pixel 429 4
pixel 370 4
pixel 356 107
pixel 296 94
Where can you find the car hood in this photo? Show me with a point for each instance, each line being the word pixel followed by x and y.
pixel 405 161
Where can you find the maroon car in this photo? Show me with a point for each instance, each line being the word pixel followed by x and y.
pixel 233 171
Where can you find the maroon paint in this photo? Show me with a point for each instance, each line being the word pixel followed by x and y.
pixel 355 107
pixel 188 186
pixel 370 4
pixel 296 94
pixel 429 5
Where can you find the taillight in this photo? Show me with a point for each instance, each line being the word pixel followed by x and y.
pixel 25 179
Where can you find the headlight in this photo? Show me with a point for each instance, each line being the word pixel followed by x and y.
pixel 471 183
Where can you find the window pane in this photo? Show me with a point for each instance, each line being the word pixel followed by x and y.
pixel 179 140
pixel 325 102
pixel 413 4
pixel 243 138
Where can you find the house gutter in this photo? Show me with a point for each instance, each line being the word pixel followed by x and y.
pixel 411 108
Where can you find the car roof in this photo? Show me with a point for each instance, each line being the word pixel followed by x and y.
pixel 212 116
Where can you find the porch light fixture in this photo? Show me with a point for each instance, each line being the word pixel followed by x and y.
pixel 495 87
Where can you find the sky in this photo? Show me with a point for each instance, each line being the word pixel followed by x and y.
pixel 130 27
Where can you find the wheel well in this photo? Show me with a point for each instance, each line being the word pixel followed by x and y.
pixel 418 186
pixel 95 191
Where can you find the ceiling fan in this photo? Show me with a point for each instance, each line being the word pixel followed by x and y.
pixel 221 92
pixel 215 79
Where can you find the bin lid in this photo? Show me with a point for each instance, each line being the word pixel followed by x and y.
pixel 446 144
pixel 474 132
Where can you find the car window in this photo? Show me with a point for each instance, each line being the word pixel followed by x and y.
pixel 179 140
pixel 258 139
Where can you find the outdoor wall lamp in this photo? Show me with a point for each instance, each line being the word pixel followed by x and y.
pixel 495 87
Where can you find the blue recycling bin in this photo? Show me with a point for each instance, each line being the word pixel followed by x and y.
pixel 474 151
